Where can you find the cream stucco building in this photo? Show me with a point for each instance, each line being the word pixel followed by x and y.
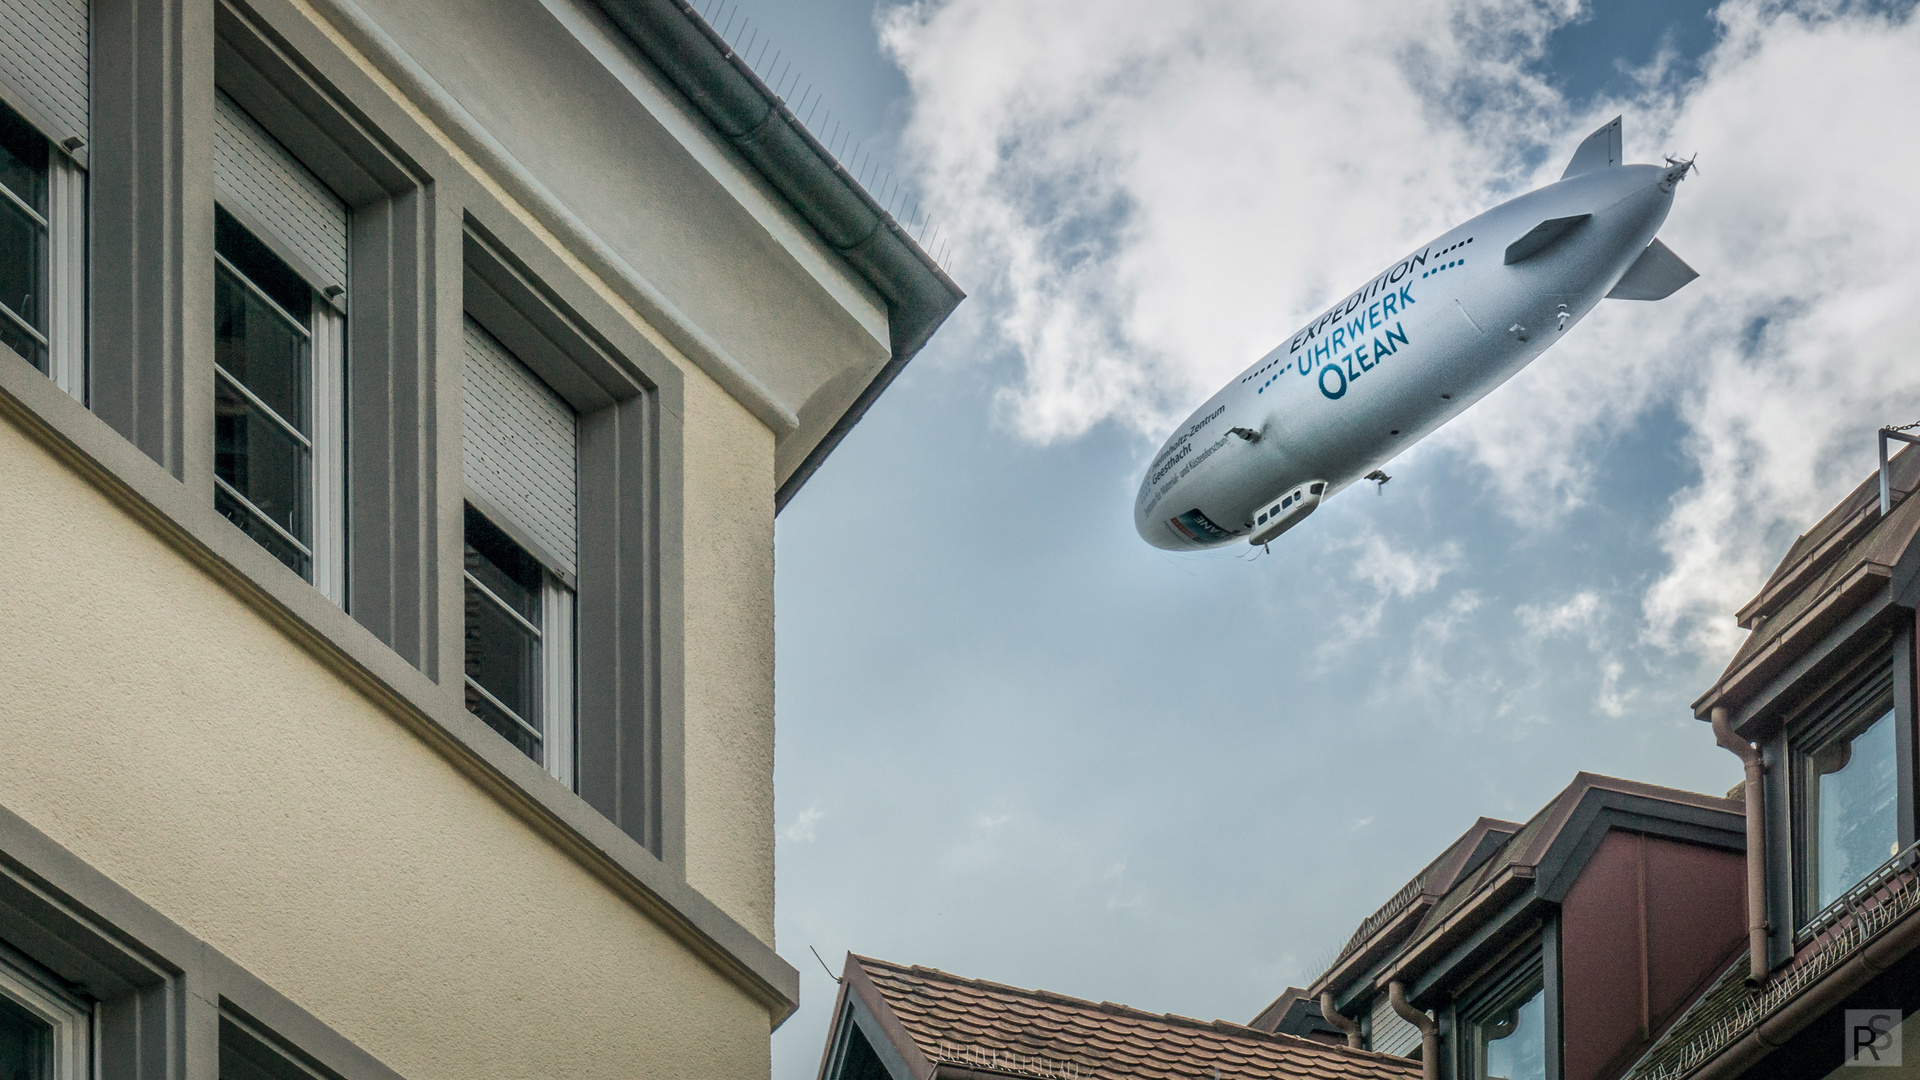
pixel 395 401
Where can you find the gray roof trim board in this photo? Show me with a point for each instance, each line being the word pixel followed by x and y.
pixel 757 123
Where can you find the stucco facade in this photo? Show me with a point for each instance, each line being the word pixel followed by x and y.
pixel 238 784
pixel 236 802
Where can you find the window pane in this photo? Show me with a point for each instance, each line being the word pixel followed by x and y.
pixel 1852 796
pixel 513 732
pixel 503 652
pixel 20 341
pixel 262 267
pixel 23 240
pixel 1513 1042
pixel 260 458
pixel 22 265
pixel 233 510
pixel 23 160
pixel 503 566
pixel 24 1043
pixel 254 344
pixel 503 656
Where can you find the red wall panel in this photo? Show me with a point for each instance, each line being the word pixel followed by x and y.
pixel 1647 923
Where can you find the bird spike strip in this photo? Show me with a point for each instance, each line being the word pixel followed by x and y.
pixel 1842 939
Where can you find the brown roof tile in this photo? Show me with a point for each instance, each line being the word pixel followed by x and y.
pixel 996 1029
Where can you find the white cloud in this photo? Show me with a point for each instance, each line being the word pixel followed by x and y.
pixel 1393 575
pixel 1612 701
pixel 1401 574
pixel 1146 196
pixel 1578 612
pixel 802 831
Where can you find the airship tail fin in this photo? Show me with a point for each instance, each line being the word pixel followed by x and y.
pixel 1657 274
pixel 1601 150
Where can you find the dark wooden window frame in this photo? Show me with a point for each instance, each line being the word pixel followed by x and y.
pixel 1807 720
pixel 1534 956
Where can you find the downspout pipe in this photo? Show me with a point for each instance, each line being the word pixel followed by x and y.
pixel 1429 1031
pixel 1723 733
pixel 1332 1016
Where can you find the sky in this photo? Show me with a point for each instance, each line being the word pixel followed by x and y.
pixel 1017 743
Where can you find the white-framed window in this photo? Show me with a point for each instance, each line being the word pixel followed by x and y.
pixel 280 253
pixel 45 1034
pixel 43 283
pixel 520 442
pixel 519 646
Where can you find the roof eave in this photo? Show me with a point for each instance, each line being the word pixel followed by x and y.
pixel 1845 597
pixel 754 120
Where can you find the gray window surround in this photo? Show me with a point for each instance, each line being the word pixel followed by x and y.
pixel 390 554
pixel 251 1050
pixel 140 255
pixel 163 994
pixel 618 733
pixel 142 442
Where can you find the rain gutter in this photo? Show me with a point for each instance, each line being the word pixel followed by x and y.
pixel 754 120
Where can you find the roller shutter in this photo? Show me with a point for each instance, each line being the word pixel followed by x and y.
pixel 267 187
pixel 43 61
pixel 520 447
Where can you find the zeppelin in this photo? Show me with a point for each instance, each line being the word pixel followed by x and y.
pixel 1410 349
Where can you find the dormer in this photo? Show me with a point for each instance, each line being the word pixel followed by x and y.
pixel 1511 966
pixel 1818 703
pixel 1822 691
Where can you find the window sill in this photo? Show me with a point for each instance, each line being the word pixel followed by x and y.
pixel 186 520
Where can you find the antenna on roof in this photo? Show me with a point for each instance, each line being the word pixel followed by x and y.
pixel 823 964
pixel 1886 490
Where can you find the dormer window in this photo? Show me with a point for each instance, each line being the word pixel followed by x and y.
pixel 1508 1024
pixel 1846 778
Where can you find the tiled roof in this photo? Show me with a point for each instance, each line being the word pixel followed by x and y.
pixel 989 1028
pixel 1433 880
